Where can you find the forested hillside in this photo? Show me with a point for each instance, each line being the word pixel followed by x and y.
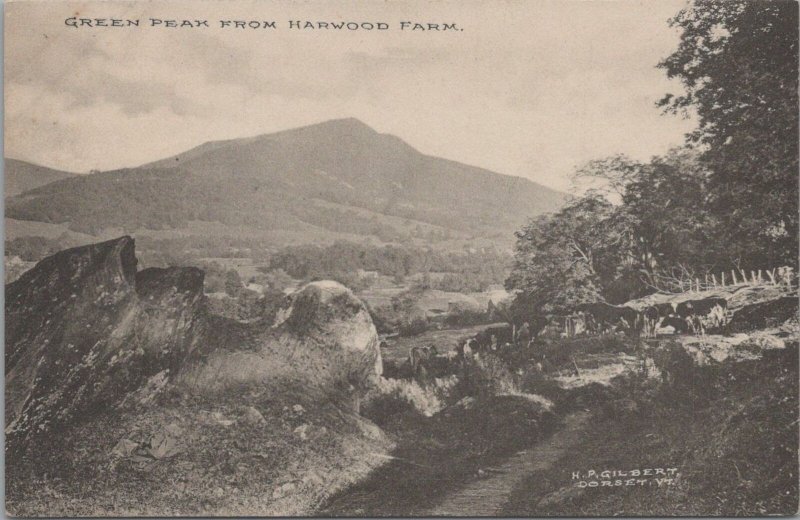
pixel 340 176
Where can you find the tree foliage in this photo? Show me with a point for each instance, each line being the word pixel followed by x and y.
pixel 562 259
pixel 737 61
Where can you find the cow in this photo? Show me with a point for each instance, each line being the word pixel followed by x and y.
pixel 550 332
pixel 665 309
pixel 699 315
pixel 494 336
pixel 524 335
pixel 425 361
pixel 466 350
pixel 438 366
pixel 453 355
pixel 471 348
pixel 650 318
pixel 677 323
pixel 661 315
pixel 417 358
pixel 537 323
pixel 603 317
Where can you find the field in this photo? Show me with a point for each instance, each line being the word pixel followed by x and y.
pixel 445 340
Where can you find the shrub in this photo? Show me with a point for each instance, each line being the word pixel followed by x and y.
pixel 414 327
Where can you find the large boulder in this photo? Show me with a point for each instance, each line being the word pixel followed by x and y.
pixel 327 337
pixel 322 341
pixel 84 329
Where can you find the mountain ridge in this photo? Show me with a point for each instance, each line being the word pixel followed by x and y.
pixel 360 177
pixel 20 176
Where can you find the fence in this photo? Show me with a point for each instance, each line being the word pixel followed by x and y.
pixel 780 276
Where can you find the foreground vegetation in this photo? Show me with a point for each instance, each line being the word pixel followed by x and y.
pixel 730 429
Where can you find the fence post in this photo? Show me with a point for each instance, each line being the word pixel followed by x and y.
pixel 723 278
pixel 787 275
pixel 760 279
pixel 771 274
pixel 733 276
pixel 714 279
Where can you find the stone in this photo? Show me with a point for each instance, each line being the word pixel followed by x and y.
pixel 370 430
pixel 253 417
pixel 312 478
pixel 124 448
pixel 466 402
pixel 85 329
pixel 283 490
pixel 220 419
pixel 174 429
pixel 329 338
pixel 302 431
pixel 163 446
pixel 322 337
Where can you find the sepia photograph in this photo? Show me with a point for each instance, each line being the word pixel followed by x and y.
pixel 353 258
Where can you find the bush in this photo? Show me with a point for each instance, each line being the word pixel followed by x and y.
pixel 414 327
pixel 467 317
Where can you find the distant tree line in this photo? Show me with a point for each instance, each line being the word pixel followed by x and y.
pixel 350 263
pixel 404 316
pixel 469 270
pixel 727 199
pixel 34 248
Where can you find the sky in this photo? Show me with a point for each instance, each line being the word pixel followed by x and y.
pixel 532 88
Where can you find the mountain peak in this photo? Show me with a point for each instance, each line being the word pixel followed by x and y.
pixel 343 126
pixel 350 122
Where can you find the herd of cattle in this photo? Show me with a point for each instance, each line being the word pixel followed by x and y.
pixel 691 316
pixel 696 316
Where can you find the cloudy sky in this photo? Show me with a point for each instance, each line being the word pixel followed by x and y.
pixel 529 88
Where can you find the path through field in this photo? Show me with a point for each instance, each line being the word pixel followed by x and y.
pixel 486 497
pixel 477 496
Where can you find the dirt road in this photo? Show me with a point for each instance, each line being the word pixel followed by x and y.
pixel 486 496
pixel 389 494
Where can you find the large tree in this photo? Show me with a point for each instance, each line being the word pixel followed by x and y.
pixel 664 203
pixel 737 61
pixel 567 257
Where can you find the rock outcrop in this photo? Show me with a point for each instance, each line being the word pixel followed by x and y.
pixel 766 314
pixel 85 332
pixel 84 329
